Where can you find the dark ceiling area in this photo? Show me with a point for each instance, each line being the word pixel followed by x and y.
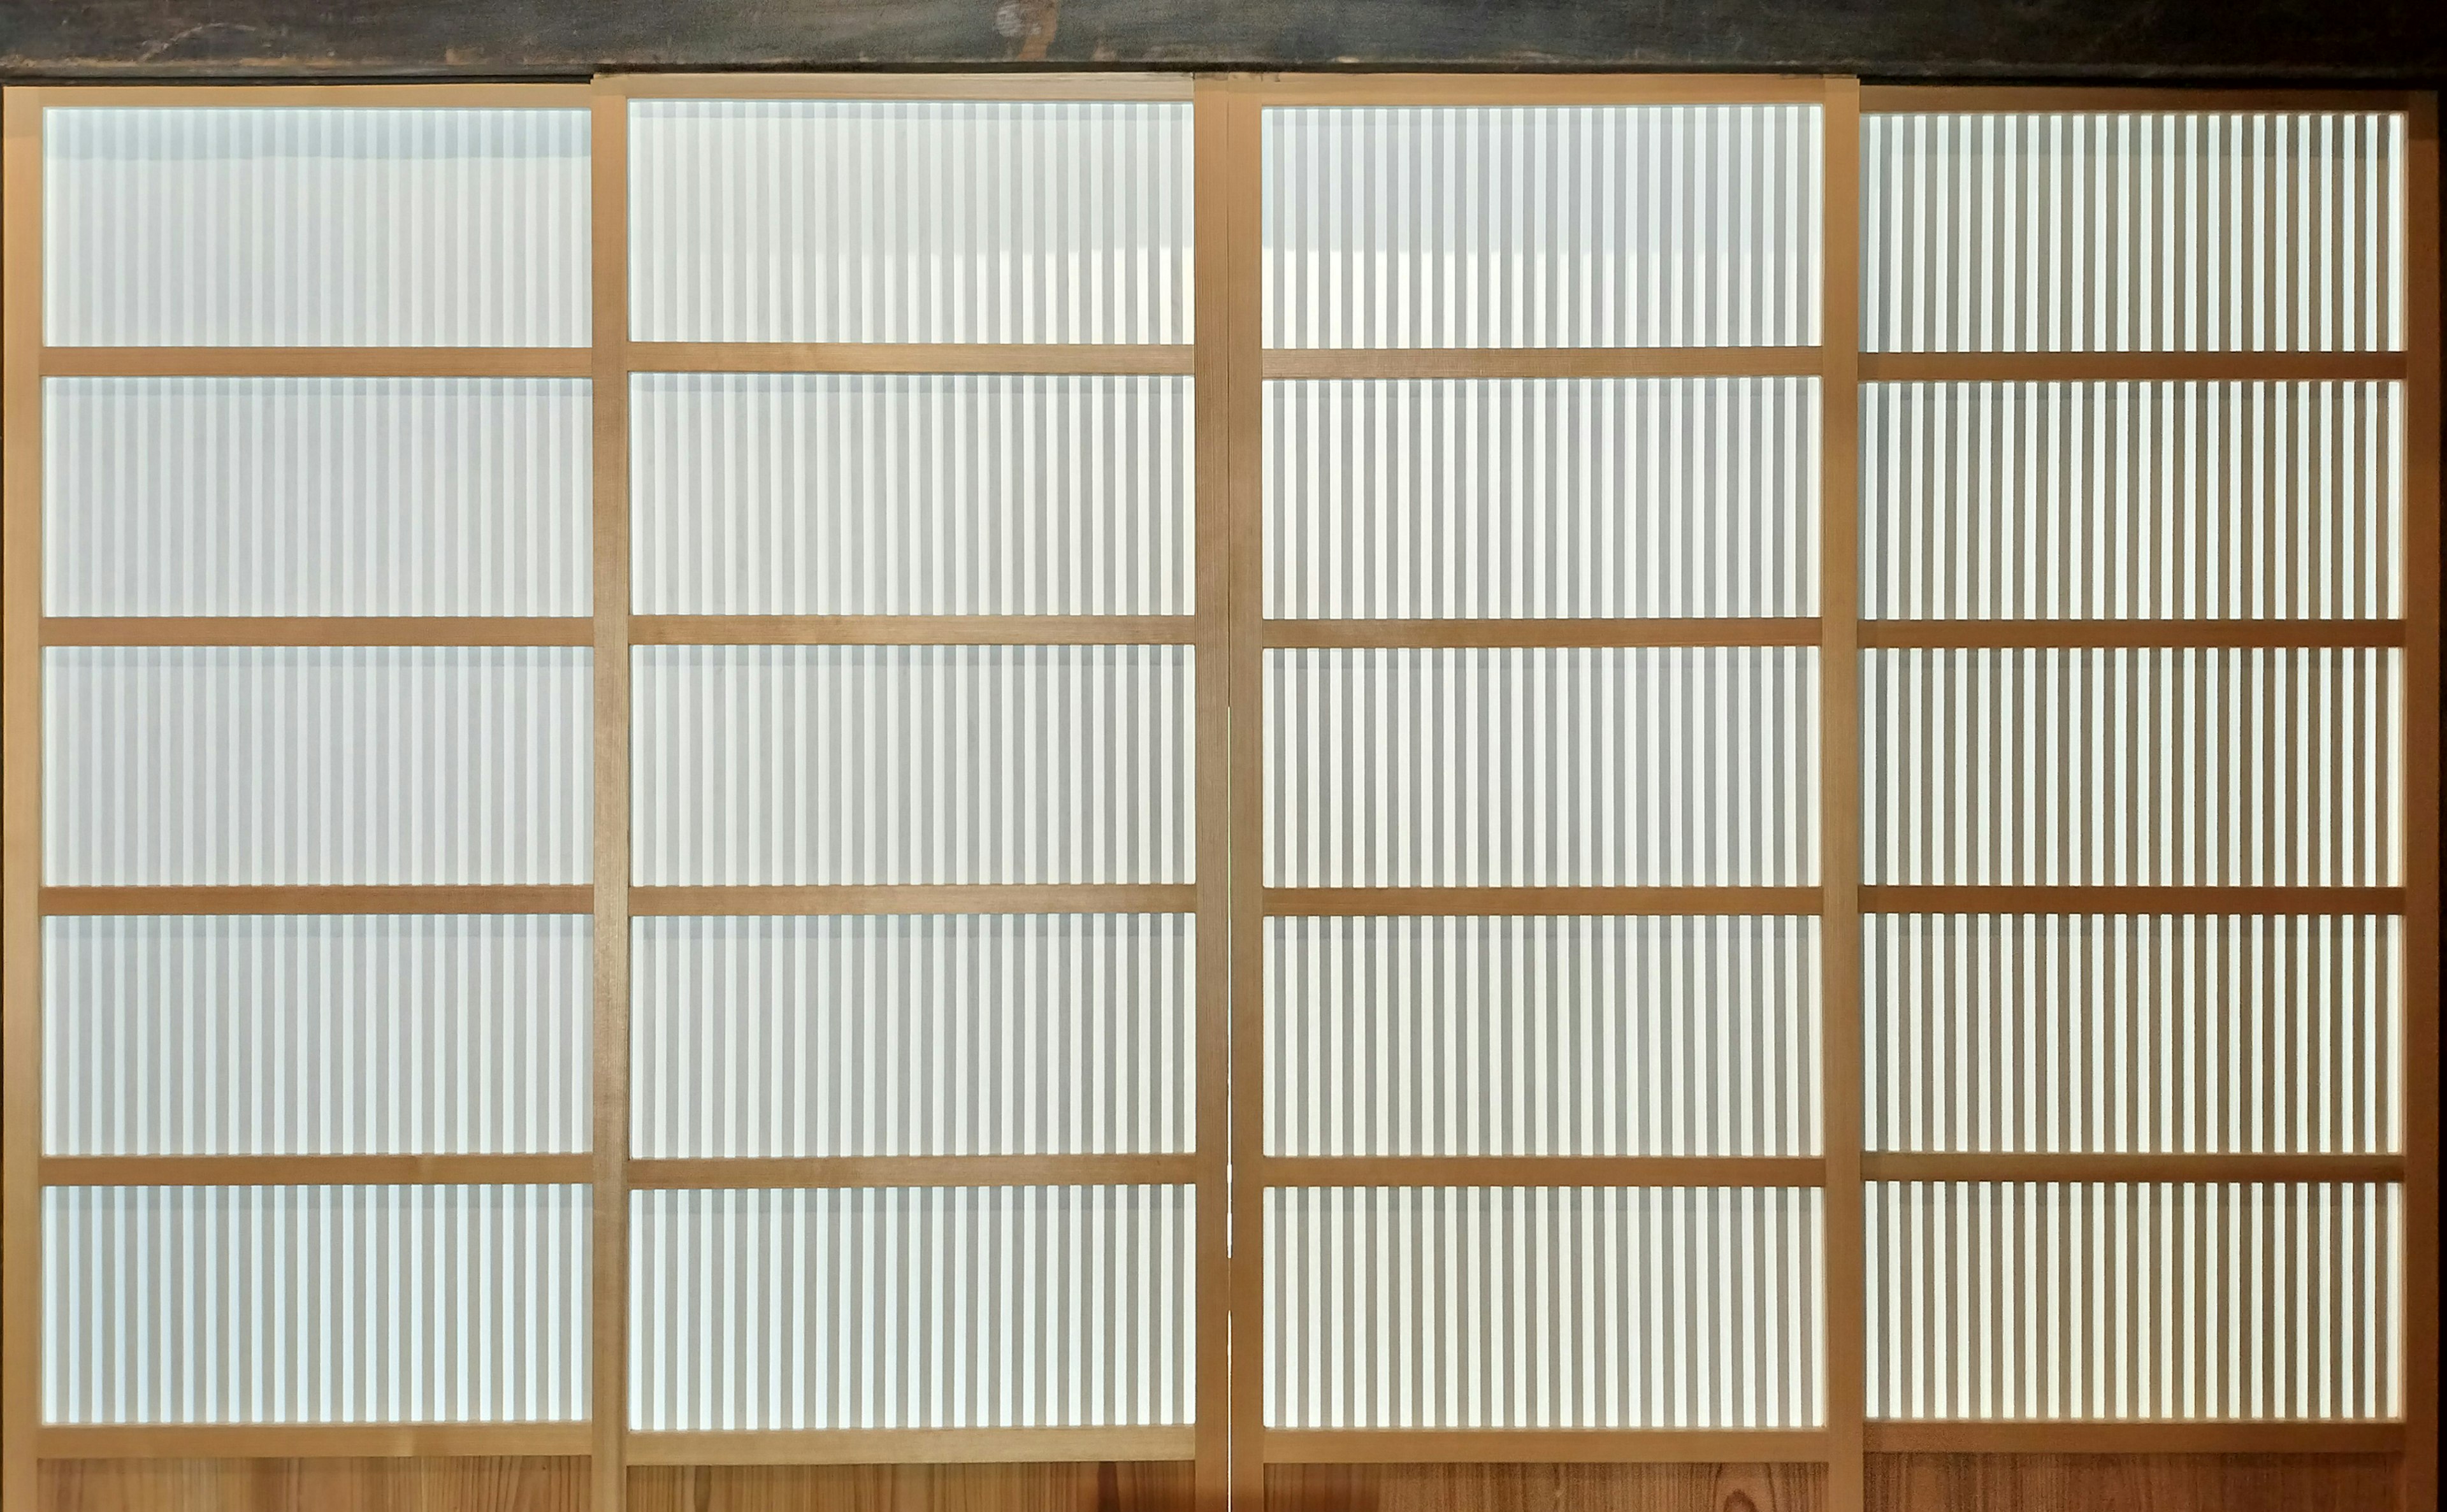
pixel 2238 41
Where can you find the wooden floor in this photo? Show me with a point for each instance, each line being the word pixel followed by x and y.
pixel 1897 1483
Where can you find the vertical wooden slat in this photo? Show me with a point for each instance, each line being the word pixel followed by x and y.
pixel 1212 398
pixel 609 1396
pixel 1241 262
pixel 2423 419
pixel 1839 757
pixel 21 838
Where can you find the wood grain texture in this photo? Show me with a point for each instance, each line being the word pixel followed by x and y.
pixel 2132 1483
pixel 1128 1486
pixel 1441 632
pixel 2242 40
pixel 1532 362
pixel 492 1485
pixel 303 630
pixel 21 789
pixel 907 357
pixel 2128 367
pixel 316 362
pixel 1546 1488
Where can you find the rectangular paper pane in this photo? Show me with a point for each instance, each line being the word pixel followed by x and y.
pixel 914 1034
pixel 1542 1036
pixel 316 496
pixel 315 226
pixel 1559 767
pixel 2124 1033
pixel 2132 231
pixel 233 764
pixel 1541 499
pixel 1538 1308
pixel 2135 1301
pixel 909 220
pixel 2199 768
pixel 912 1308
pixel 1542 226
pixel 813 765
pixel 928 494
pixel 2132 501
pixel 314 1304
pixel 317 1035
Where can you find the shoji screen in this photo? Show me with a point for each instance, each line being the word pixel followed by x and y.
pixel 925 793
pixel 300 786
pixel 2146 911
pixel 1531 972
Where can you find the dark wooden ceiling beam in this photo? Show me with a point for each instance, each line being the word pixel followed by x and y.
pixel 2268 40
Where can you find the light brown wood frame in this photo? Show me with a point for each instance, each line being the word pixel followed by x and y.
pixel 1229 1447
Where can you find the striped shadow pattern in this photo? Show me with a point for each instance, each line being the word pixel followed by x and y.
pixel 1544 1308
pixel 314 1304
pixel 912 1308
pixel 2131 1300
pixel 1580 1035
pixel 317 1035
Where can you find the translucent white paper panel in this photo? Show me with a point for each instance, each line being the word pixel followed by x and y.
pixel 1542 1036
pixel 915 1034
pixel 1542 226
pixel 2136 230
pixel 913 764
pixel 371 764
pixel 1608 767
pixel 2132 768
pixel 316 496
pixel 314 1304
pixel 916 220
pixel 912 1308
pixel 2131 500
pixel 315 226
pixel 2131 1300
pixel 2134 1033
pixel 1544 1308
pixel 317 1035
pixel 1541 497
pixel 926 494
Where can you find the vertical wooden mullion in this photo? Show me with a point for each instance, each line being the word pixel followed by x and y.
pixel 1238 200
pixel 1839 757
pixel 2419 1466
pixel 1212 397
pixel 21 838
pixel 608 1392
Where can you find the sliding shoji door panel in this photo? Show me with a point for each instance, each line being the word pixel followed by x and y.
pixel 923 1129
pixel 1528 952
pixel 2141 737
pixel 299 571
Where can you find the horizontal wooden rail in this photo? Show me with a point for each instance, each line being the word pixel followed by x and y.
pixel 1357 902
pixel 767 1172
pixel 2014 635
pixel 419 631
pixel 308 899
pixel 982 897
pixel 1543 1446
pixel 2130 366
pixel 316 362
pixel 912 1446
pixel 913 630
pixel 309 1441
pixel 1540 362
pixel 1335 633
pixel 961 86
pixel 314 1170
pixel 2157 1436
pixel 1539 90
pixel 2020 1167
pixel 216 94
pixel 906 357
pixel 1543 1170
pixel 1934 99
pixel 1956 899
